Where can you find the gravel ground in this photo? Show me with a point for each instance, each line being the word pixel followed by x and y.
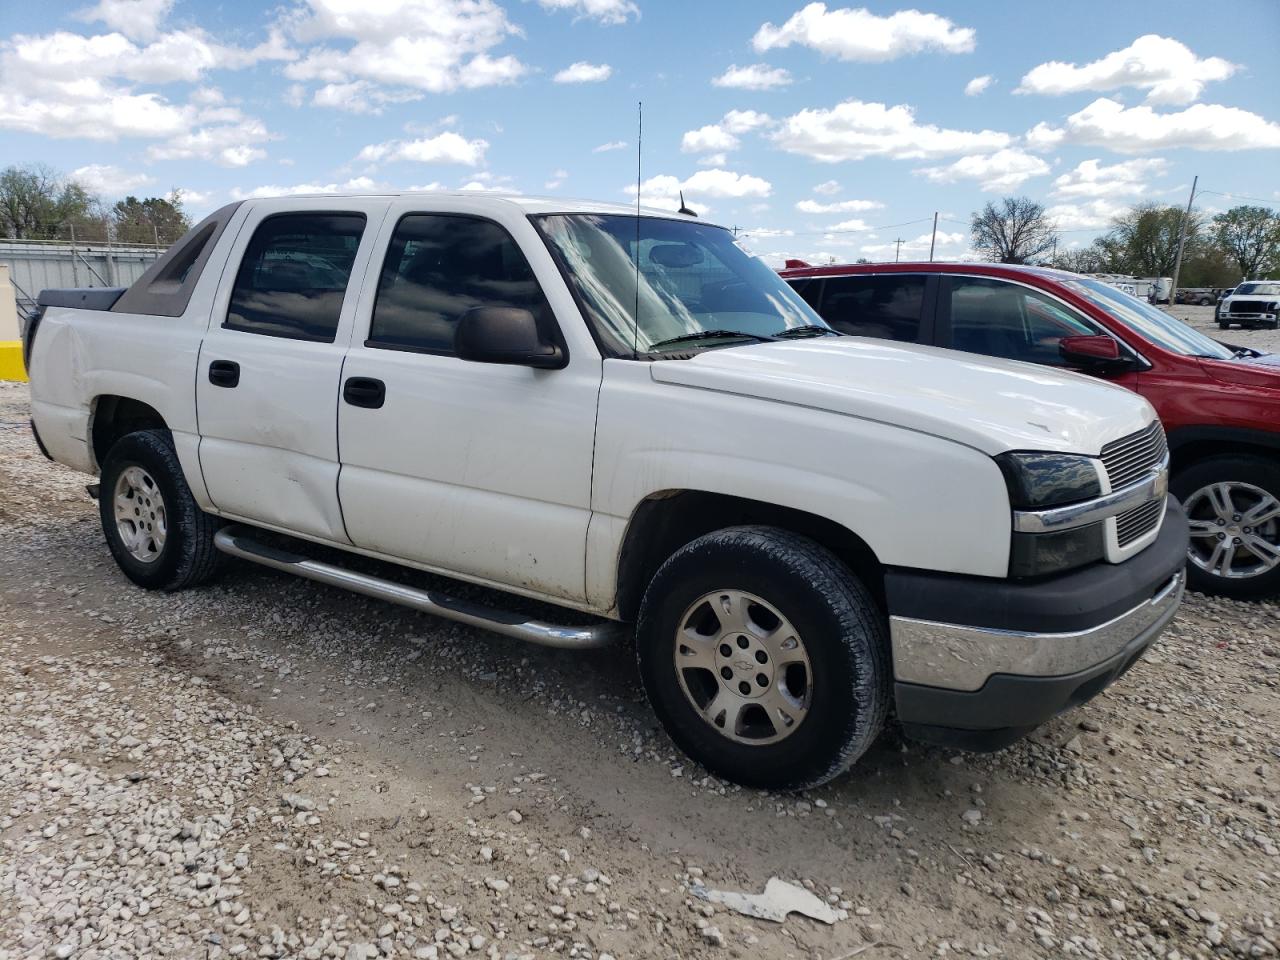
pixel 270 768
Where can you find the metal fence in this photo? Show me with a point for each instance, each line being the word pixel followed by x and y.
pixel 36 265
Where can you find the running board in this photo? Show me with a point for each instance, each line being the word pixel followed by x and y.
pixel 238 542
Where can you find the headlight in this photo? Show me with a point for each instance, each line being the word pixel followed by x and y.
pixel 1037 481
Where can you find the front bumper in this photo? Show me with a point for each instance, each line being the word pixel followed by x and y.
pixel 979 663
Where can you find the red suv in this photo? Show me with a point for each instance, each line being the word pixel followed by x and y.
pixel 1220 404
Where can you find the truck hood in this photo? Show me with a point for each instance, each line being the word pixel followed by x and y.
pixel 991 405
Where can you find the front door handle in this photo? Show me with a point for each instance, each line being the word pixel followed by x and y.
pixel 224 373
pixel 364 392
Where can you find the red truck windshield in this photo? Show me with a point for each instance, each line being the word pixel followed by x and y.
pixel 1149 322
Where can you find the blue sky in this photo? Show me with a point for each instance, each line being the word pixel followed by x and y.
pixel 819 130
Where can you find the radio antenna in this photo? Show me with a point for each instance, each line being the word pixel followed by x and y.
pixel 635 339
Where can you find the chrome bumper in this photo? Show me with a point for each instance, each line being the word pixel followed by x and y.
pixel 957 657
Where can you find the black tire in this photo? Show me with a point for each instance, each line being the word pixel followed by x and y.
pixel 843 632
pixel 187 556
pixel 1242 469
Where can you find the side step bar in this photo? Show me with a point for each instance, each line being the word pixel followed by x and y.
pixel 238 542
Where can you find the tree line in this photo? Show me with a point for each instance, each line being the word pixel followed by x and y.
pixel 1242 243
pixel 38 203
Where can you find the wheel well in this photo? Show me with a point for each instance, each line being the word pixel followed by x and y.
pixel 665 522
pixel 113 417
pixel 1187 454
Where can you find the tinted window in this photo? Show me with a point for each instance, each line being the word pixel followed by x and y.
pixel 1002 319
pixel 887 306
pixel 294 275
pixel 439 267
pixel 809 288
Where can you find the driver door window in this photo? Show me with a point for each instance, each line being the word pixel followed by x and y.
pixel 1001 319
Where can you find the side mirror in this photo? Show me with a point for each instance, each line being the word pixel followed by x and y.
pixel 1095 353
pixel 505 335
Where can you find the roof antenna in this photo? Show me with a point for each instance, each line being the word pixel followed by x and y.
pixel 635 339
pixel 683 209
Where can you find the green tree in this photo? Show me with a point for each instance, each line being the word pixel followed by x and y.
pixel 1144 241
pixel 1251 237
pixel 150 220
pixel 37 203
pixel 1014 230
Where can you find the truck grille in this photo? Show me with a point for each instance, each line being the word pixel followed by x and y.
pixel 1131 458
pixel 1247 306
pixel 1133 524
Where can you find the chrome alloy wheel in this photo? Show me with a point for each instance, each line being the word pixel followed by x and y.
pixel 140 514
pixel 743 667
pixel 1235 529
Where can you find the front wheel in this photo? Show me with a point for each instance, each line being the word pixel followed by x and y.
pixel 158 535
pixel 1233 508
pixel 764 657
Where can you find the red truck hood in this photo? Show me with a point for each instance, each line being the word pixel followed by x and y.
pixel 1263 371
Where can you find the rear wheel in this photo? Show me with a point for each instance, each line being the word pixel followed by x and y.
pixel 1233 508
pixel 157 534
pixel 764 657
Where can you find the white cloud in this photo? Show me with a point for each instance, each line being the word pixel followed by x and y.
pixel 138 19
pixel 583 72
pixel 722 136
pixel 1092 215
pixel 766 233
pixel 431 46
pixel 434 186
pixel 1091 179
pixel 1168 70
pixel 757 76
pixel 855 129
pixel 916 248
pixel 713 160
pixel 665 189
pixel 1203 126
pixel 194 200
pixel 447 147
pixel 978 84
pixel 1002 170
pixel 233 144
pixel 356 185
pixel 605 11
pixel 1044 137
pixel 828 188
pixel 711 137
pixel 110 181
pixel 611 145
pixel 859 34
pixel 856 225
pixel 839 206
pixel 557 180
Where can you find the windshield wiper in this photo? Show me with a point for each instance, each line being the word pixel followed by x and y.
pixel 808 330
pixel 711 335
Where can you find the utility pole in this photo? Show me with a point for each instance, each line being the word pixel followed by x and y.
pixel 934 239
pixel 898 250
pixel 1182 239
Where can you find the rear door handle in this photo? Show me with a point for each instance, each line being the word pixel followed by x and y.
pixel 224 373
pixel 364 392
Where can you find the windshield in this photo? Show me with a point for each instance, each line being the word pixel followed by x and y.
pixel 693 278
pixel 1148 321
pixel 1259 289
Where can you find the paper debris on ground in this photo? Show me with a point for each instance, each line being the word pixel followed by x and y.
pixel 779 899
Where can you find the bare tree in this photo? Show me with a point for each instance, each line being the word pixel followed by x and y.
pixel 1251 237
pixel 1014 230
pixel 37 203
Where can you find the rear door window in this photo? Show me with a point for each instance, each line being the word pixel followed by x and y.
pixel 294 274
pixel 887 306
pixel 1001 319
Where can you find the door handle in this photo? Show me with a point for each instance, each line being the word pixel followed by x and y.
pixel 224 373
pixel 364 392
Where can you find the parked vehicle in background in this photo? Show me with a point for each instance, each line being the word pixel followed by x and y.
pixel 1220 405
pixel 1254 303
pixel 633 418
pixel 1151 289
pixel 1197 296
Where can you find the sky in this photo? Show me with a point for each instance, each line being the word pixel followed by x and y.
pixel 819 131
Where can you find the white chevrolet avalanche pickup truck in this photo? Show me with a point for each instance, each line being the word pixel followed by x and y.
pixel 625 414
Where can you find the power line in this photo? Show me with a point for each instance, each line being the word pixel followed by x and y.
pixel 1239 196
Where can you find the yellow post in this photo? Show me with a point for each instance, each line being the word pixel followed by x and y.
pixel 11 367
